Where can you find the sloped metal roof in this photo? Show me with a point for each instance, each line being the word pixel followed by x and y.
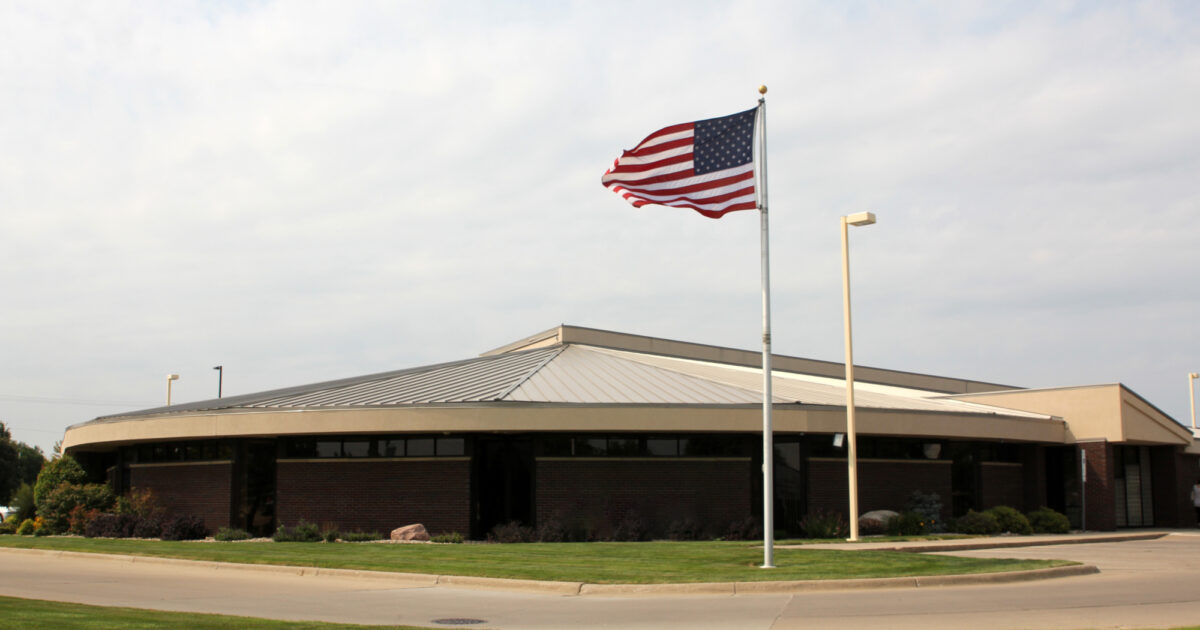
pixel 581 374
pixel 602 375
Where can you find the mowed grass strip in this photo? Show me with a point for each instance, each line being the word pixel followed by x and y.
pixel 36 614
pixel 594 563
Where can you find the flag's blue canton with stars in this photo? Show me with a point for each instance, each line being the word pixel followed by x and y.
pixel 724 142
pixel 707 166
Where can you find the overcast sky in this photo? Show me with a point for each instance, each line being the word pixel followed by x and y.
pixel 306 191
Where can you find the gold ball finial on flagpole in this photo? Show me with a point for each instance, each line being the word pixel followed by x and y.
pixel 762 89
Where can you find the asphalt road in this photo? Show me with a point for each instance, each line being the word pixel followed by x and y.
pixel 1142 584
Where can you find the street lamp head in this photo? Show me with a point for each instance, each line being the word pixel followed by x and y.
pixel 861 218
pixel 172 377
pixel 1193 375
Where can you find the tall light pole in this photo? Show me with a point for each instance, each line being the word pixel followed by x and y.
pixel 1192 393
pixel 170 377
pixel 220 378
pixel 860 218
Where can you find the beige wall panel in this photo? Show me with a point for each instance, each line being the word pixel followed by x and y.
pixel 1144 423
pixel 1091 413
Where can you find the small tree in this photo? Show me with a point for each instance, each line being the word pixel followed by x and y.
pixel 57 472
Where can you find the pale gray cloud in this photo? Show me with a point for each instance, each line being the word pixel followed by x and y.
pixel 302 191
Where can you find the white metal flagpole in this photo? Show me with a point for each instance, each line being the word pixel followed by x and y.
pixel 768 446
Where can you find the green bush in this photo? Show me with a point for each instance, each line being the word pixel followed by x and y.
pixel 978 523
pixel 302 532
pixel 26 528
pixel 23 501
pixel 227 534
pixel 511 532
pixel 184 527
pixel 1047 521
pixel 1011 520
pixel 55 473
pixel 56 505
pixel 362 536
pixel 824 524
pixel 929 506
pixel 329 533
pixel 744 529
pixel 451 537
pixel 907 523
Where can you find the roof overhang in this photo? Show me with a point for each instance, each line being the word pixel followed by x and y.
pixel 547 418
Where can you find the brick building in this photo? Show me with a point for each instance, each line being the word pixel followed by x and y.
pixel 592 428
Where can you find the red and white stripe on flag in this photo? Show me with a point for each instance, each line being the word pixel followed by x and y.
pixel 707 165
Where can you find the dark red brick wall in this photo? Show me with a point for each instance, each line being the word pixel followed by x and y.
pixel 1099 493
pixel 597 495
pixel 1176 488
pixel 882 484
pixel 201 489
pixel 375 495
pixel 1002 484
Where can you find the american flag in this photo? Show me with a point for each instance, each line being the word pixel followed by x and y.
pixel 707 165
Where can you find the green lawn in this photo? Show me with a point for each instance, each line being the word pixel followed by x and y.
pixel 35 614
pixel 595 563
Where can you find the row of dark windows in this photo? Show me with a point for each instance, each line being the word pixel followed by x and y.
pixel 628 446
pixel 351 447
pixel 585 446
pixel 190 451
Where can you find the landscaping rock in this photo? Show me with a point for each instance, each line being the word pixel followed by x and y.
pixel 883 516
pixel 414 532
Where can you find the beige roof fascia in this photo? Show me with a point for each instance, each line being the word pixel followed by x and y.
pixel 1110 412
pixel 526 418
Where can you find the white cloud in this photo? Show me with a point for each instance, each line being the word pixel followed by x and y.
pixel 307 191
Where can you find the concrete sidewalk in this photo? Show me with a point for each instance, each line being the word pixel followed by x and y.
pixel 995 542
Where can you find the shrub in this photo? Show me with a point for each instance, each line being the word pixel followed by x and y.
pixel 907 523
pixel 872 526
pixel 110 526
pixel 9 526
pixel 227 534
pixel 978 523
pixel 56 506
pixel 929 506
pixel 23 501
pixel 148 526
pixel 362 536
pixel 302 532
pixel 184 527
pixel 632 528
pixel 685 529
pixel 511 532
pixel 330 533
pixel 1011 520
pixel 55 473
pixel 824 524
pixel 139 502
pixel 79 518
pixel 745 529
pixel 26 527
pixel 552 530
pixel 452 538
pixel 1047 521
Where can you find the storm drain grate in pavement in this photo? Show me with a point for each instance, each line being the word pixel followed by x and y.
pixel 458 621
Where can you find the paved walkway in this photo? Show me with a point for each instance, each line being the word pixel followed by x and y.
pixel 1143 583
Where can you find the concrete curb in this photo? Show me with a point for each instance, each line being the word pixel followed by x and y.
pixel 422 580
